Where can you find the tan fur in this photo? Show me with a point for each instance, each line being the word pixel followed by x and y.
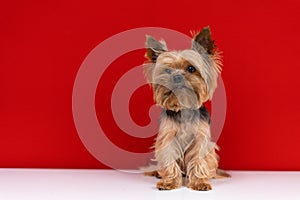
pixel 196 84
pixel 183 145
pixel 179 152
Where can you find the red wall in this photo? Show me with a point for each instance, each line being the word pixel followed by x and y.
pixel 43 43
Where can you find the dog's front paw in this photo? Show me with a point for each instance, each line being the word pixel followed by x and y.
pixel 167 185
pixel 200 185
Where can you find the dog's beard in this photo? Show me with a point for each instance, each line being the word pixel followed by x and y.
pixel 176 98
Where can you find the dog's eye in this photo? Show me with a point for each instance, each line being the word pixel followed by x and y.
pixel 168 71
pixel 191 69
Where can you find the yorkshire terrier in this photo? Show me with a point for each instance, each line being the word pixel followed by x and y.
pixel 182 81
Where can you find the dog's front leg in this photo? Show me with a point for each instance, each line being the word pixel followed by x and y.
pixel 167 152
pixel 197 171
pixel 201 160
pixel 171 177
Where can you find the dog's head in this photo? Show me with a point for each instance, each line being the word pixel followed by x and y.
pixel 183 79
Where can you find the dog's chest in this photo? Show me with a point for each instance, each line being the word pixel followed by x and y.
pixel 187 123
pixel 186 134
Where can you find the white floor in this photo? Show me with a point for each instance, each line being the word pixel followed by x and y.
pixel 23 184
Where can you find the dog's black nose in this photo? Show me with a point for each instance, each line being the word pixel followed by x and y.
pixel 177 78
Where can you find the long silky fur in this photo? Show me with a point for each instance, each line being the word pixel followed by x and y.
pixel 183 144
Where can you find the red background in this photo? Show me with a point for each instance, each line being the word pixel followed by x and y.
pixel 43 43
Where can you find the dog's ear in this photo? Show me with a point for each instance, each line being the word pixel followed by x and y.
pixel 202 40
pixel 154 48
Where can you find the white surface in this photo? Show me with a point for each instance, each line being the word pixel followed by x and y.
pixel 23 184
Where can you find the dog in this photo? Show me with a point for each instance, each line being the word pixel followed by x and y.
pixel 182 82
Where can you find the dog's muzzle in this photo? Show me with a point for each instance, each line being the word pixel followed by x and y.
pixel 178 79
